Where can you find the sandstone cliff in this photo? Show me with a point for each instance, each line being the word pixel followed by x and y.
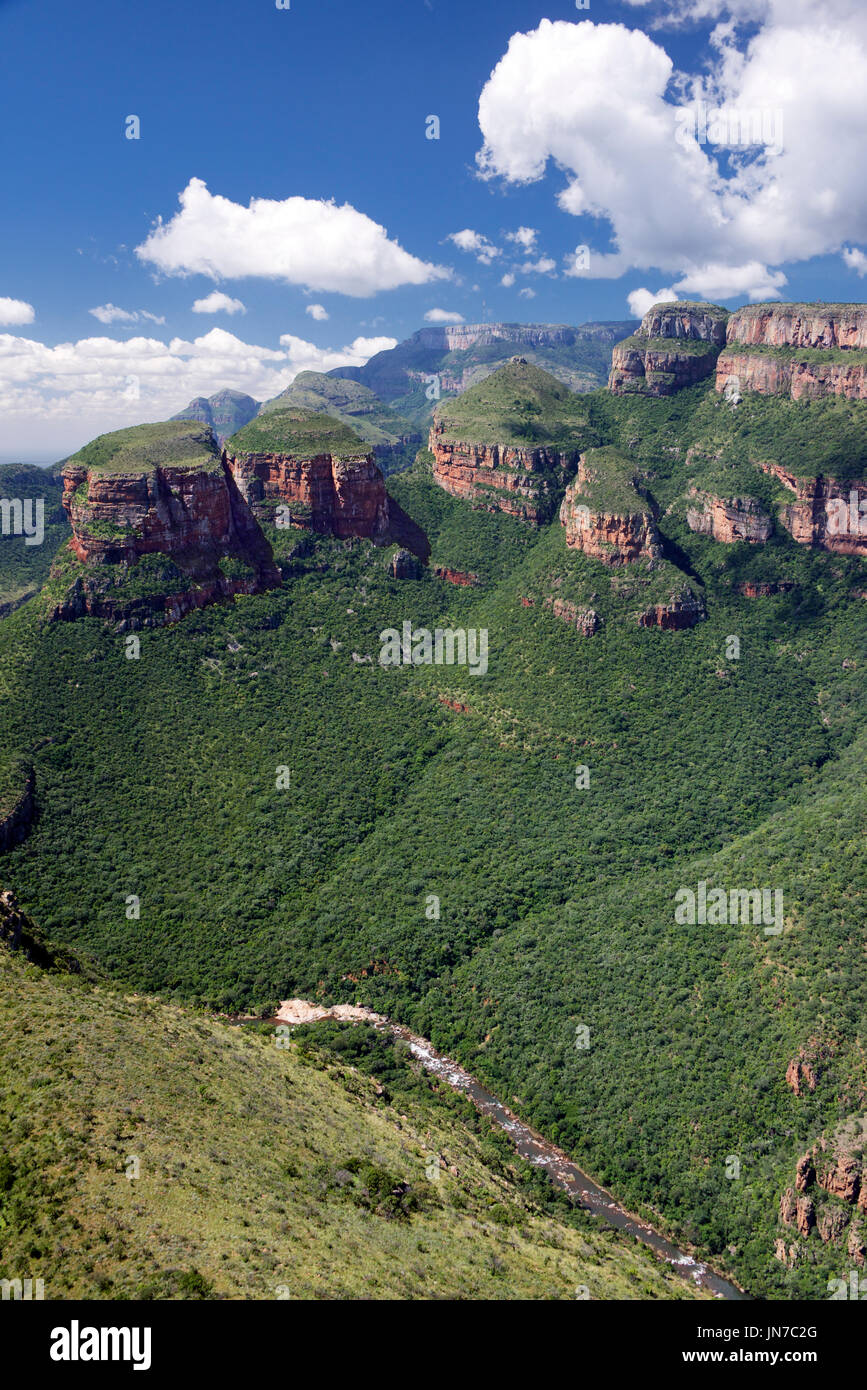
pixel 511 443
pixel 727 519
pixel 825 513
pixel 803 351
pixel 676 345
pixel 520 480
pixel 604 515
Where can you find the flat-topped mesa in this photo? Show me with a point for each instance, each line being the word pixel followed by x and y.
pixel 727 519
pixel 511 443
pixel 604 515
pixel 676 345
pixel 161 488
pixel 302 469
pixel 803 351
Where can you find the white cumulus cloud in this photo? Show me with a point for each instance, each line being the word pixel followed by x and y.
pixel 53 399
pixel 525 237
pixel 15 311
pixel 855 259
pixel 302 241
pixel 317 312
pixel 218 303
pixel 508 280
pixel 640 301
pixel 601 103
pixel 111 313
pixel 442 316
pixel 479 246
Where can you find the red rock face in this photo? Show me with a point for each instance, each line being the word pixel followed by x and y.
pixel 778 376
pixel 683 610
pixel 799 325
pixel 615 538
pixel 764 588
pixel 193 515
pixel 523 482
pixel 825 512
pixel 800 1076
pixel 461 577
pixel 797 1211
pixel 658 371
pixel 338 497
pixel 728 519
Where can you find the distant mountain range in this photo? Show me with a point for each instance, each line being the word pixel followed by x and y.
pixel 390 401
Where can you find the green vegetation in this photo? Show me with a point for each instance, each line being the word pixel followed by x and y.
pixel 853 357
pixel 24 568
pixel 158 777
pixel 354 405
pixel 518 404
pixel 609 483
pixel 148 1152
pixel 297 431
pixel 141 448
pixel 681 347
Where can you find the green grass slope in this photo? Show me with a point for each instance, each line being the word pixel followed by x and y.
pixel 299 431
pixel 517 404
pixel 149 1152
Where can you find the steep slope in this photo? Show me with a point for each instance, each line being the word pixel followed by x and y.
pixel 29 538
pixel 158 529
pixel 804 351
pixel 149 1152
pixel 676 345
pixel 300 469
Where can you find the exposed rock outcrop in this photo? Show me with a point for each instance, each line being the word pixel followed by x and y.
pixel 825 513
pixel 520 480
pixel 774 375
pixel 603 514
pixel 404 565
pixel 728 519
pixel 676 345
pixel 683 609
pixel 463 578
pixel 338 496
pixel 799 325
pixel 585 620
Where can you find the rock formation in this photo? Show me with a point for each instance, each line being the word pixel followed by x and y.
pixel 522 481
pixel 604 515
pixel 676 345
pixel 803 351
pixel 727 519
pixel 826 512
pixel 683 609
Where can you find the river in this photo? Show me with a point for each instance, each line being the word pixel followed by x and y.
pixel 530 1145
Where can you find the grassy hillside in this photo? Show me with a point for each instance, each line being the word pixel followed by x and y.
pixel 139 449
pixel 556 901
pixel 149 1152
pixel 517 404
pixel 296 430
pixel 349 401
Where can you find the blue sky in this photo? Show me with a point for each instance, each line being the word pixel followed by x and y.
pixel 328 100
